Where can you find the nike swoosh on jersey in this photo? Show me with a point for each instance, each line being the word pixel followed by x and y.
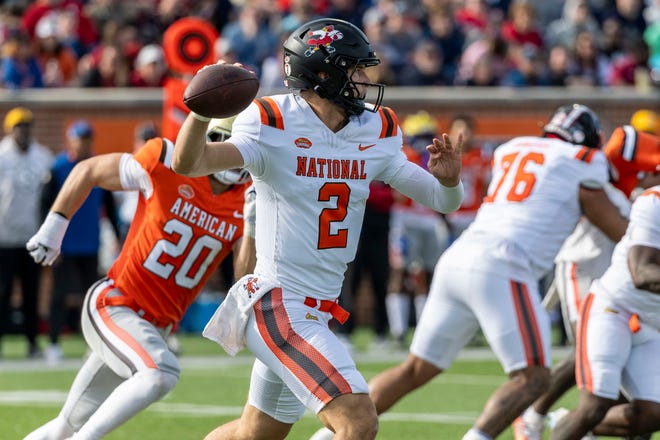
pixel 365 147
pixel 237 214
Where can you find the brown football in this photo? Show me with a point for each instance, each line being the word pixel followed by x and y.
pixel 221 90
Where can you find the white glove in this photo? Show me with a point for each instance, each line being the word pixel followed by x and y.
pixel 250 212
pixel 44 246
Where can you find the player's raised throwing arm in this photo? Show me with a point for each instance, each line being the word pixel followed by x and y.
pixel 194 156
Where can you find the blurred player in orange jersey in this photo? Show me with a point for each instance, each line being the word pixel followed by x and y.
pixel 418 235
pixel 475 173
pixel 586 254
pixel 634 148
pixel 183 228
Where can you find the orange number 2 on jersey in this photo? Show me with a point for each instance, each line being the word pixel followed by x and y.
pixel 523 180
pixel 342 192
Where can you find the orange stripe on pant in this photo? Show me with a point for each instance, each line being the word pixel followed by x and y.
pixel 120 332
pixel 575 286
pixel 528 325
pixel 582 367
pixel 309 365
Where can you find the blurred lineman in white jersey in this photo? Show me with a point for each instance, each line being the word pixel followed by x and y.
pixel 489 278
pixel 634 153
pixel 618 337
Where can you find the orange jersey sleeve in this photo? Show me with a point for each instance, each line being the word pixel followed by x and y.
pixel 179 235
pixel 629 152
pixel 475 175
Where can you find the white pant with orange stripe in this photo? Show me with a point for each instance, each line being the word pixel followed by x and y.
pixel 124 341
pixel 130 368
pixel 611 356
pixel 572 282
pixel 300 362
pixel 509 312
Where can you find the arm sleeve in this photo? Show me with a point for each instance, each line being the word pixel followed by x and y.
pixel 246 133
pixel 644 225
pixel 133 177
pixel 413 181
pixel 48 195
pixel 111 211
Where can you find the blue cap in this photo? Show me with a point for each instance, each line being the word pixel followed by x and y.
pixel 80 129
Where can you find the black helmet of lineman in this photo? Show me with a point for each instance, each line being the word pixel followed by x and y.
pixel 577 124
pixel 336 48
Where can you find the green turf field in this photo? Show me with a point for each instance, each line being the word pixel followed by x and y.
pixel 213 388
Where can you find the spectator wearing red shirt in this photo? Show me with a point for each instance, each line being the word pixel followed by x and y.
pixel 473 19
pixel 150 67
pixel 631 66
pixel 111 69
pixel 58 61
pixel 85 29
pixel 521 28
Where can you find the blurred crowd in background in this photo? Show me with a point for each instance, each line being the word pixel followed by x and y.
pixel 115 43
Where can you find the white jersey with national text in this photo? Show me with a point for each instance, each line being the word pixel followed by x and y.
pixel 312 185
pixel 532 203
pixel 616 283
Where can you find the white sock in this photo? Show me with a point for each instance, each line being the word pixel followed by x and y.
pixel 398 307
pixel 420 301
pixel 475 434
pixel 531 417
pixel 56 429
pixel 132 396
pixel 322 434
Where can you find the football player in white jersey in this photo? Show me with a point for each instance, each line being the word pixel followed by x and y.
pixel 618 338
pixel 584 256
pixel 312 154
pixel 489 276
pixel 633 152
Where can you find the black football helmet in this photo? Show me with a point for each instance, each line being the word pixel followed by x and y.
pixel 336 48
pixel 577 124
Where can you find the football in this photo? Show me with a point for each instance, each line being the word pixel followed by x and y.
pixel 221 90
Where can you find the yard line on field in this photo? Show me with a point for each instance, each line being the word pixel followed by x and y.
pixel 56 398
pixel 209 410
pixel 222 361
pixel 446 418
pixel 454 379
pixel 47 398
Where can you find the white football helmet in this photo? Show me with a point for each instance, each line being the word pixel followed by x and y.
pixel 220 130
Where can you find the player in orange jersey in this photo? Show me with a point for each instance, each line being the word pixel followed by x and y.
pixel 631 150
pixel 475 173
pixel 183 228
